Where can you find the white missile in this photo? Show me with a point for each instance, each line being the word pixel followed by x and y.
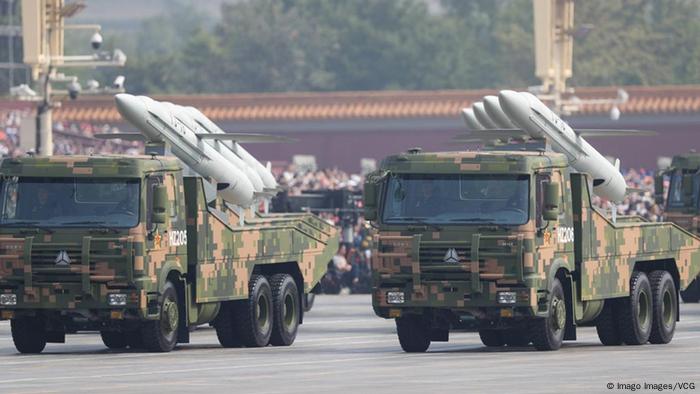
pixel 494 111
pixel 157 123
pixel 482 116
pixel 470 120
pixel 531 115
pixel 265 174
pixel 183 114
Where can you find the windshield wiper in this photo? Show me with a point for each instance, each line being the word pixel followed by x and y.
pixel 421 220
pixel 30 223
pixel 92 223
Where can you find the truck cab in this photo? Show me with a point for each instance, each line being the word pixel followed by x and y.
pixel 681 201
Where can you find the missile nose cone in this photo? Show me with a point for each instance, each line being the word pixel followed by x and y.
pixel 493 109
pixel 515 106
pixel 130 107
pixel 482 116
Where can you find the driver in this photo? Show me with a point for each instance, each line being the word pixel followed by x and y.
pixel 428 203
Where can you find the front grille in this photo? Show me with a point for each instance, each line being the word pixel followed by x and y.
pixel 434 267
pixel 45 269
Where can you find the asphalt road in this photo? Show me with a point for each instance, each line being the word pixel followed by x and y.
pixel 343 347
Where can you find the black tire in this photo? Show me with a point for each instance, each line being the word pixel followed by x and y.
pixel 664 307
pixel 254 315
pixel 310 298
pixel 285 310
pixel 134 339
pixel 161 335
pixel 28 334
pixel 548 333
pixel 114 339
pixel 635 312
pixel 516 337
pixel 692 292
pixel 414 333
pixel 225 325
pixel 606 324
pixel 491 338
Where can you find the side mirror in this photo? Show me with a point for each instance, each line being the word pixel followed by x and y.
pixel 160 203
pixel 551 201
pixel 369 197
pixel 659 188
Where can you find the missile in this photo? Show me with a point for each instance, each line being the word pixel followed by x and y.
pixel 531 115
pixel 470 120
pixel 184 116
pixel 494 111
pixel 482 116
pixel 157 123
pixel 265 174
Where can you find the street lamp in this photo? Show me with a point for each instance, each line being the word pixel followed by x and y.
pixel 43 29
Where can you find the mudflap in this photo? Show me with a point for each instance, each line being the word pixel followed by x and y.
pixel 439 335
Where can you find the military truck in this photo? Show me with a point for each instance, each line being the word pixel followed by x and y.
pixel 136 248
pixel 682 202
pixel 509 243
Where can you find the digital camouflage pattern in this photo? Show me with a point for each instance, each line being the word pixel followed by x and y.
pixel 685 213
pixel 583 244
pixel 203 244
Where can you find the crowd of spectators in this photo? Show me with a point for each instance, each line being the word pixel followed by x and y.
pixel 295 181
pixel 69 138
pixel 639 204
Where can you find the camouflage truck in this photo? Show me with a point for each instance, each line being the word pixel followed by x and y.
pixel 132 247
pixel 509 243
pixel 682 202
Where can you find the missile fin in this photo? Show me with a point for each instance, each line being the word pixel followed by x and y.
pixel 121 136
pixel 613 133
pixel 246 138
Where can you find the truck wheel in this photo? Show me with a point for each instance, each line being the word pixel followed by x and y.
pixel 161 335
pixel 134 339
pixel 635 311
pixel 28 334
pixel 225 325
pixel 692 292
pixel 286 310
pixel 516 337
pixel 254 316
pixel 548 333
pixel 664 307
pixel 491 338
pixel 414 333
pixel 114 339
pixel 606 324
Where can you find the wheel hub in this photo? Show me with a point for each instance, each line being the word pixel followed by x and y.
pixel 558 314
pixel 170 314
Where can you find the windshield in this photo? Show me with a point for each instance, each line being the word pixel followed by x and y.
pixel 477 198
pixel 69 202
pixel 678 197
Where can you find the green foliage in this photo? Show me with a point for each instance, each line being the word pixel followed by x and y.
pixel 322 45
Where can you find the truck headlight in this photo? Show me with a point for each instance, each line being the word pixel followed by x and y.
pixel 506 297
pixel 395 297
pixel 116 299
pixel 8 299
